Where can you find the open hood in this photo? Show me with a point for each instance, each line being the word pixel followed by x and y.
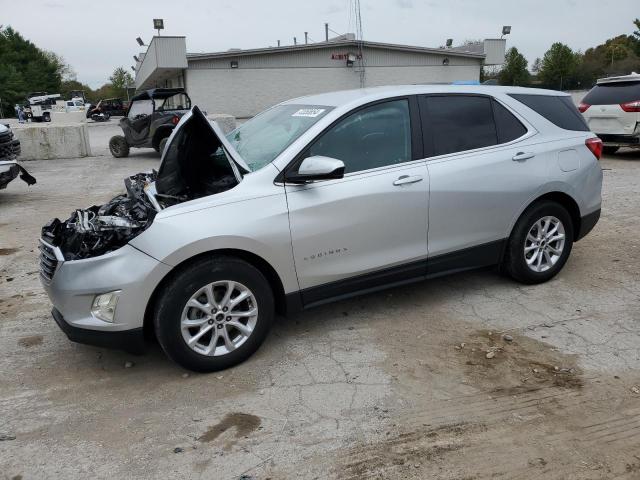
pixel 198 161
pixel 197 154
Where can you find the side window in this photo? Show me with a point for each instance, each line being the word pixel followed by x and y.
pixel 373 137
pixel 509 127
pixel 559 110
pixel 459 122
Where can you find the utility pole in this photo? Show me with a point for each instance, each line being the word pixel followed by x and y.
pixel 326 32
pixel 295 41
pixel 306 37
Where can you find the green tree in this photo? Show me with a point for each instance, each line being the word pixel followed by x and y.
pixel 24 68
pixel 559 67
pixel 514 71
pixel 120 80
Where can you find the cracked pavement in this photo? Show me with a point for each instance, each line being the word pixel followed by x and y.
pixel 390 385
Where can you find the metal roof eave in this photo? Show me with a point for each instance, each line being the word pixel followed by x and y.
pixel 321 45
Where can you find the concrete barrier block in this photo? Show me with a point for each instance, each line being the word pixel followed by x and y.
pixel 68 117
pixel 227 122
pixel 50 141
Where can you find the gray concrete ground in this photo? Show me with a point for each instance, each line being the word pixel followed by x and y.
pixel 390 385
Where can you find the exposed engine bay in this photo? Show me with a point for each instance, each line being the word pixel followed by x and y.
pixel 194 165
pixel 100 229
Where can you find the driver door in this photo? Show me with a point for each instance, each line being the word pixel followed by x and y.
pixel 370 227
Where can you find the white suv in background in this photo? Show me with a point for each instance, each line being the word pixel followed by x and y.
pixel 612 111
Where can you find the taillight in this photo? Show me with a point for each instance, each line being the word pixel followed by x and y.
pixel 583 107
pixel 175 120
pixel 631 106
pixel 595 145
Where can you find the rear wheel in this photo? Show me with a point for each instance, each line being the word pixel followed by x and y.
pixel 118 146
pixel 214 314
pixel 540 243
pixel 610 150
pixel 46 117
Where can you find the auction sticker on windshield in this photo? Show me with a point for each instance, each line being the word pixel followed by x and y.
pixel 309 112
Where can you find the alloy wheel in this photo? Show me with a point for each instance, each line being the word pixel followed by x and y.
pixel 544 244
pixel 219 318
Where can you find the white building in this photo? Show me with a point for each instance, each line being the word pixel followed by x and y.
pixel 244 82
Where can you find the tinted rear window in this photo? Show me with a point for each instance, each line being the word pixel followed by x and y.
pixel 509 127
pixel 459 123
pixel 613 93
pixel 558 110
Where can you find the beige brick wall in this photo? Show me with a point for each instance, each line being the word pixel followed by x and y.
pixel 243 92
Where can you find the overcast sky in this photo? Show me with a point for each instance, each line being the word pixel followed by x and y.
pixel 95 36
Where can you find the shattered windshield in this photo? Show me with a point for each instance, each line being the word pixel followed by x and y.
pixel 260 140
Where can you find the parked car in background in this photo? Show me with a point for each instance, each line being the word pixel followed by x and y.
pixel 150 119
pixel 9 151
pixel 612 111
pixel 318 199
pixel 110 106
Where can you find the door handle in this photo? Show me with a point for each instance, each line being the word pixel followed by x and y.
pixel 522 156
pixel 405 179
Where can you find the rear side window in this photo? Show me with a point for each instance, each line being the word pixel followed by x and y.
pixel 558 110
pixel 459 122
pixel 508 126
pixel 613 93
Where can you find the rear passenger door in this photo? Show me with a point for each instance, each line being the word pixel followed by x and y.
pixel 483 167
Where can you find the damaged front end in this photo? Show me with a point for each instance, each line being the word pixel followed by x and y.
pixel 100 229
pixel 198 161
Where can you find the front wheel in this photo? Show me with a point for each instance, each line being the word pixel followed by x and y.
pixel 540 243
pixel 214 314
pixel 118 146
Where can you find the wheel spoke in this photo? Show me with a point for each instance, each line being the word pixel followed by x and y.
pixel 547 259
pixel 196 322
pixel 196 304
pixel 532 259
pixel 230 288
pixel 208 291
pixel 227 340
pixel 560 236
pixel 539 264
pixel 211 348
pixel 248 313
pixel 244 330
pixel 529 248
pixel 553 250
pixel 531 238
pixel 193 340
pixel 235 301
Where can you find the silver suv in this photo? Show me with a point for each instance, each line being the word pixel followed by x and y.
pixel 318 199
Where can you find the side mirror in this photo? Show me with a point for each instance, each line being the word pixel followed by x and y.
pixel 317 168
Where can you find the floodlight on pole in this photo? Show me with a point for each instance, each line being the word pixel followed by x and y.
pixel 158 24
pixel 133 68
pixel 506 30
pixel 136 59
pixel 449 42
pixel 140 42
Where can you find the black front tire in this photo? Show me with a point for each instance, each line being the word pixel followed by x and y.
pixel 175 294
pixel 610 150
pixel 46 117
pixel 118 146
pixel 515 264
